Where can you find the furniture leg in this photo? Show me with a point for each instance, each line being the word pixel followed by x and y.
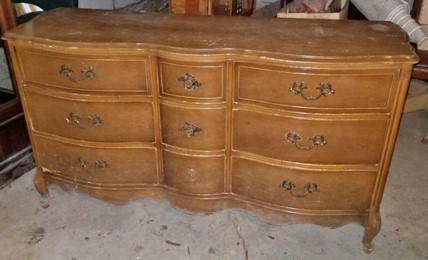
pixel 41 187
pixel 425 139
pixel 371 230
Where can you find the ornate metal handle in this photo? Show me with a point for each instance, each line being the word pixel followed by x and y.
pixel 98 164
pixel 323 89
pixel 294 138
pixel 189 81
pixel 74 118
pixel 310 188
pixel 87 73
pixel 190 129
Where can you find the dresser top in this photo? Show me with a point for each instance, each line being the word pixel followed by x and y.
pixel 271 37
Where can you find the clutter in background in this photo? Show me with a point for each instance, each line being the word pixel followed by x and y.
pixel 313 6
pixel 315 9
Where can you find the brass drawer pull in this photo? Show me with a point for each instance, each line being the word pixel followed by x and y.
pixel 294 138
pixel 191 175
pixel 74 118
pixel 87 71
pixel 189 81
pixel 323 89
pixel 310 188
pixel 190 129
pixel 84 163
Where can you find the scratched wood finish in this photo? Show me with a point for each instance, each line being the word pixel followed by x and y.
pixel 115 125
pixel 124 165
pixel 197 110
pixel 354 89
pixel 210 78
pixel 108 71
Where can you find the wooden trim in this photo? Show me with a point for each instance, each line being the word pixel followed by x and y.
pixel 7 19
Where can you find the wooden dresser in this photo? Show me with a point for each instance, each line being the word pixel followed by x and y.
pixel 294 120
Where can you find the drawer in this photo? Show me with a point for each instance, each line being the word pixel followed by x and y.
pixel 202 175
pixel 109 165
pixel 90 119
pixel 308 139
pixel 316 190
pixel 198 81
pixel 346 89
pixel 199 128
pixel 86 72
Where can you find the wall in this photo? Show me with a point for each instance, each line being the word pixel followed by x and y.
pixel 106 4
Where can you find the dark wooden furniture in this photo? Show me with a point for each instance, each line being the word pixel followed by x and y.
pixel 212 112
pixel 212 7
pixel 8 18
pixel 420 70
pixel 15 148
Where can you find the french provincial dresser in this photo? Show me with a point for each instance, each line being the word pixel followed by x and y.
pixel 294 120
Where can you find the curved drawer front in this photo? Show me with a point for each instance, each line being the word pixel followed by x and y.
pixel 86 72
pixel 302 189
pixel 309 88
pixel 199 81
pixel 82 118
pixel 193 128
pixel 309 140
pixel 194 174
pixel 97 164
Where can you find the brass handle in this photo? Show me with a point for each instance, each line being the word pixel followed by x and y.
pixel 310 188
pixel 74 118
pixel 190 129
pixel 323 89
pixel 189 82
pixel 191 175
pixel 294 138
pixel 87 73
pixel 84 163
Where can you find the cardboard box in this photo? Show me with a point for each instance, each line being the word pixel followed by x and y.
pixel 342 15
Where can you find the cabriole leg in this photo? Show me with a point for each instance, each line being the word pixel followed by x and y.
pixel 371 230
pixel 41 187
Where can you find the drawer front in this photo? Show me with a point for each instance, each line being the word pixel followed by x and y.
pixel 310 88
pixel 82 118
pixel 202 175
pixel 309 140
pixel 322 190
pixel 97 164
pixel 193 128
pixel 85 72
pixel 199 81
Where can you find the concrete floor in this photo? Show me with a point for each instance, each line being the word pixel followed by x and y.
pixel 77 227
